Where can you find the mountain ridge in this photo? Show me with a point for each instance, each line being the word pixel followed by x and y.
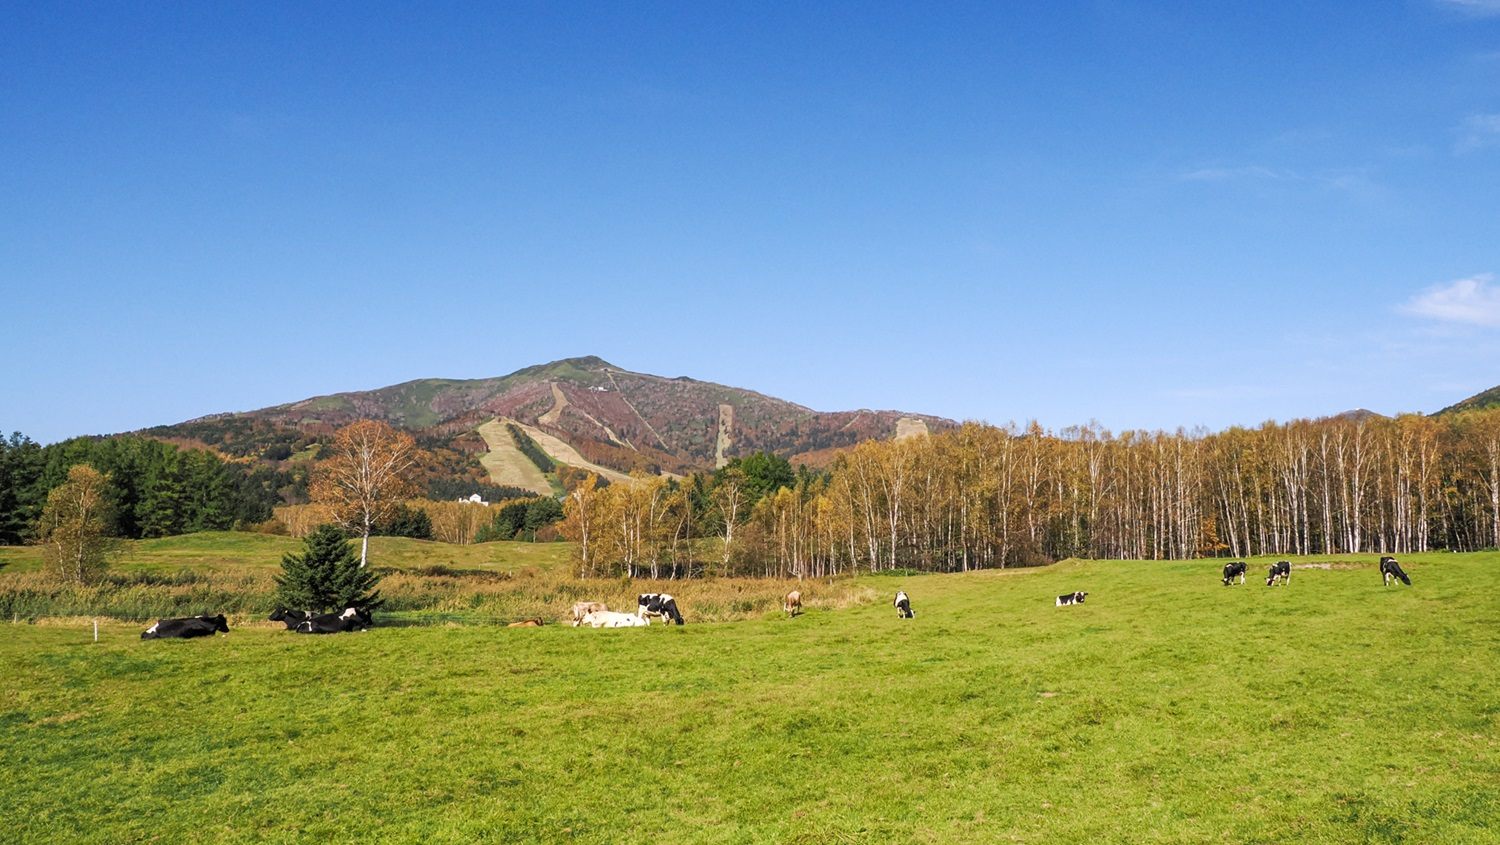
pixel 612 416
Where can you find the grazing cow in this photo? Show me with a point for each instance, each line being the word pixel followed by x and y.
pixel 903 606
pixel 1070 598
pixel 659 605
pixel 1390 571
pixel 526 623
pixel 337 623
pixel 613 619
pixel 290 618
pixel 792 604
pixel 584 608
pixel 1232 570
pixel 1280 572
pixel 186 628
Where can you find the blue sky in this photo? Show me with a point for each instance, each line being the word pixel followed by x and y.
pixel 1151 215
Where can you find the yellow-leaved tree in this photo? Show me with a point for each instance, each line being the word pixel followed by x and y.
pixel 366 475
pixel 76 546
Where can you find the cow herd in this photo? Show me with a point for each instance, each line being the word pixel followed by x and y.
pixel 659 606
pixel 648 606
pixel 301 621
pixel 1281 572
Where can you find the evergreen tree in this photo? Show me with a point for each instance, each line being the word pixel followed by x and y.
pixel 163 499
pixel 21 490
pixel 539 512
pixel 407 522
pixel 327 576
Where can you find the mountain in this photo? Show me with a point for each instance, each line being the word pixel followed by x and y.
pixel 1478 402
pixel 582 412
pixel 1358 415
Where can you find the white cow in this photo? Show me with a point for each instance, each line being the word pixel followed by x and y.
pixel 613 619
pixel 584 608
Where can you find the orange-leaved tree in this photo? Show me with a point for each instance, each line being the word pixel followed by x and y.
pixel 366 475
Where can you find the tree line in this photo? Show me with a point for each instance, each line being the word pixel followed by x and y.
pixel 984 496
pixel 151 488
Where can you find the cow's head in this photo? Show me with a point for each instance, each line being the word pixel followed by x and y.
pixel 219 622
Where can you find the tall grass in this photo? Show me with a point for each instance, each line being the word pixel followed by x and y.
pixel 428 595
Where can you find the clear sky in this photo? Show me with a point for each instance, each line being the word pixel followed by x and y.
pixel 1149 214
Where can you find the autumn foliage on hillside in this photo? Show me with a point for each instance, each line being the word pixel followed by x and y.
pixel 982 496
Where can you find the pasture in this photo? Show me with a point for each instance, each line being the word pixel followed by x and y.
pixel 240 550
pixel 1166 709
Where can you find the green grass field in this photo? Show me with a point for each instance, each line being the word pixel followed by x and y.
pixel 1166 709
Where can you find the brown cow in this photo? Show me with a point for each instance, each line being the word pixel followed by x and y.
pixel 584 608
pixel 526 623
pixel 792 604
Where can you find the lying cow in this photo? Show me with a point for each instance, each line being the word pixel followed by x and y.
pixel 1390 571
pixel 1070 598
pixel 526 623
pixel 186 628
pixel 903 606
pixel 613 619
pixel 1235 569
pixel 584 608
pixel 351 618
pixel 290 618
pixel 660 605
pixel 792 604
pixel 1279 573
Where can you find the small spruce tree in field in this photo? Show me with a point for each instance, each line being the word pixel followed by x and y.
pixel 327 576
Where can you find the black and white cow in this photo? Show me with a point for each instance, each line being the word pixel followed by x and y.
pixel 1390 571
pixel 1233 570
pixel 290 618
pixel 351 618
pixel 660 605
pixel 1280 572
pixel 903 606
pixel 186 628
pixel 1070 598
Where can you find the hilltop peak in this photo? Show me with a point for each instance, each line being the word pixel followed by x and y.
pixel 564 366
pixel 1358 415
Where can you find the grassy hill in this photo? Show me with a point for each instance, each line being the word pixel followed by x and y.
pixel 238 550
pixel 1167 709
